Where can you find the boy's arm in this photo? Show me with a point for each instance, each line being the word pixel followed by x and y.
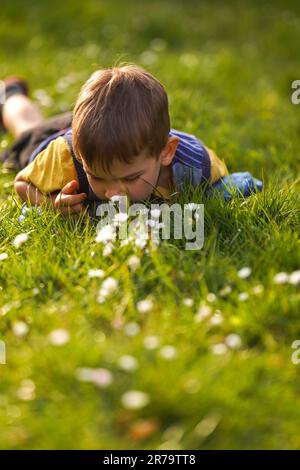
pixel 29 193
pixel 67 200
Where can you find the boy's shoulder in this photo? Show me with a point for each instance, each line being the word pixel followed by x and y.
pixel 191 153
pixel 190 149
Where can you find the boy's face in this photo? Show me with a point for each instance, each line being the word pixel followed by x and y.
pixel 136 180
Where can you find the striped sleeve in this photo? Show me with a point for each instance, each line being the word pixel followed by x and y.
pixel 192 153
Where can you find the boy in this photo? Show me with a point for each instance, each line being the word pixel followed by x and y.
pixel 118 141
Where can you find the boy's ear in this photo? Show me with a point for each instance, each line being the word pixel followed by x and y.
pixel 169 150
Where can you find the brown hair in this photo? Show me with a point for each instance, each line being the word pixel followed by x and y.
pixel 121 112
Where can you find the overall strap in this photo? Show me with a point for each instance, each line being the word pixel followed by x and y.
pixel 84 186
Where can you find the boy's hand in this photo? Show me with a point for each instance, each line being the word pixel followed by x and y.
pixel 68 201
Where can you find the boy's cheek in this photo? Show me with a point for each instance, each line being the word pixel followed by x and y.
pixel 141 193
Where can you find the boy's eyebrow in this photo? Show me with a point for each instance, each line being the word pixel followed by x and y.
pixel 126 176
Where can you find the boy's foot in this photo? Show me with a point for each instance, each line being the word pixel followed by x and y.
pixel 12 86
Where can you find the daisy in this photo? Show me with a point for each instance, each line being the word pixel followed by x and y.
pixel 59 337
pixel 96 273
pixel 133 262
pixel 294 277
pixel 233 341
pixel 168 352
pixel 20 239
pixel 106 234
pixel 100 377
pixel 20 328
pixel 281 278
pixel 135 399
pixel 144 306
pixel 151 342
pixel 128 363
pixel 244 272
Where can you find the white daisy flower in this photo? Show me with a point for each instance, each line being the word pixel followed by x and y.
pixel 3 256
pixel 244 272
pixel 188 302
pixel 128 363
pixel 281 278
pixel 134 399
pixel 192 205
pixel 106 234
pixel 151 342
pixel 108 249
pixel 225 291
pixel 204 312
pixel 100 377
pixel 20 328
pixel 233 341
pixel 96 273
pixel 168 352
pixel 108 287
pixel 110 284
pixel 211 297
pixel 140 242
pixel 133 262
pixel 59 337
pixel 155 213
pixel 243 296
pixel 20 239
pixel 144 306
pixel 120 218
pixel 294 277
pixel 216 319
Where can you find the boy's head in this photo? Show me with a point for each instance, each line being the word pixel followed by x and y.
pixel 121 128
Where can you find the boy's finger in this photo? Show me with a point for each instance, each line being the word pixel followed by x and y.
pixel 71 199
pixel 70 188
pixel 70 211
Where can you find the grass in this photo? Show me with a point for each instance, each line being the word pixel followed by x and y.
pixel 228 71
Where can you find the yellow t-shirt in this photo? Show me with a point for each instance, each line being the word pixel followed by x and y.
pixel 53 168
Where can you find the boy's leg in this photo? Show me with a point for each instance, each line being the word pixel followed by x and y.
pixel 20 114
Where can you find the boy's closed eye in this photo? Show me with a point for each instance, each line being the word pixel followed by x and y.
pixel 125 178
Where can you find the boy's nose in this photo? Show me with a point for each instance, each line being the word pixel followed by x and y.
pixel 114 190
